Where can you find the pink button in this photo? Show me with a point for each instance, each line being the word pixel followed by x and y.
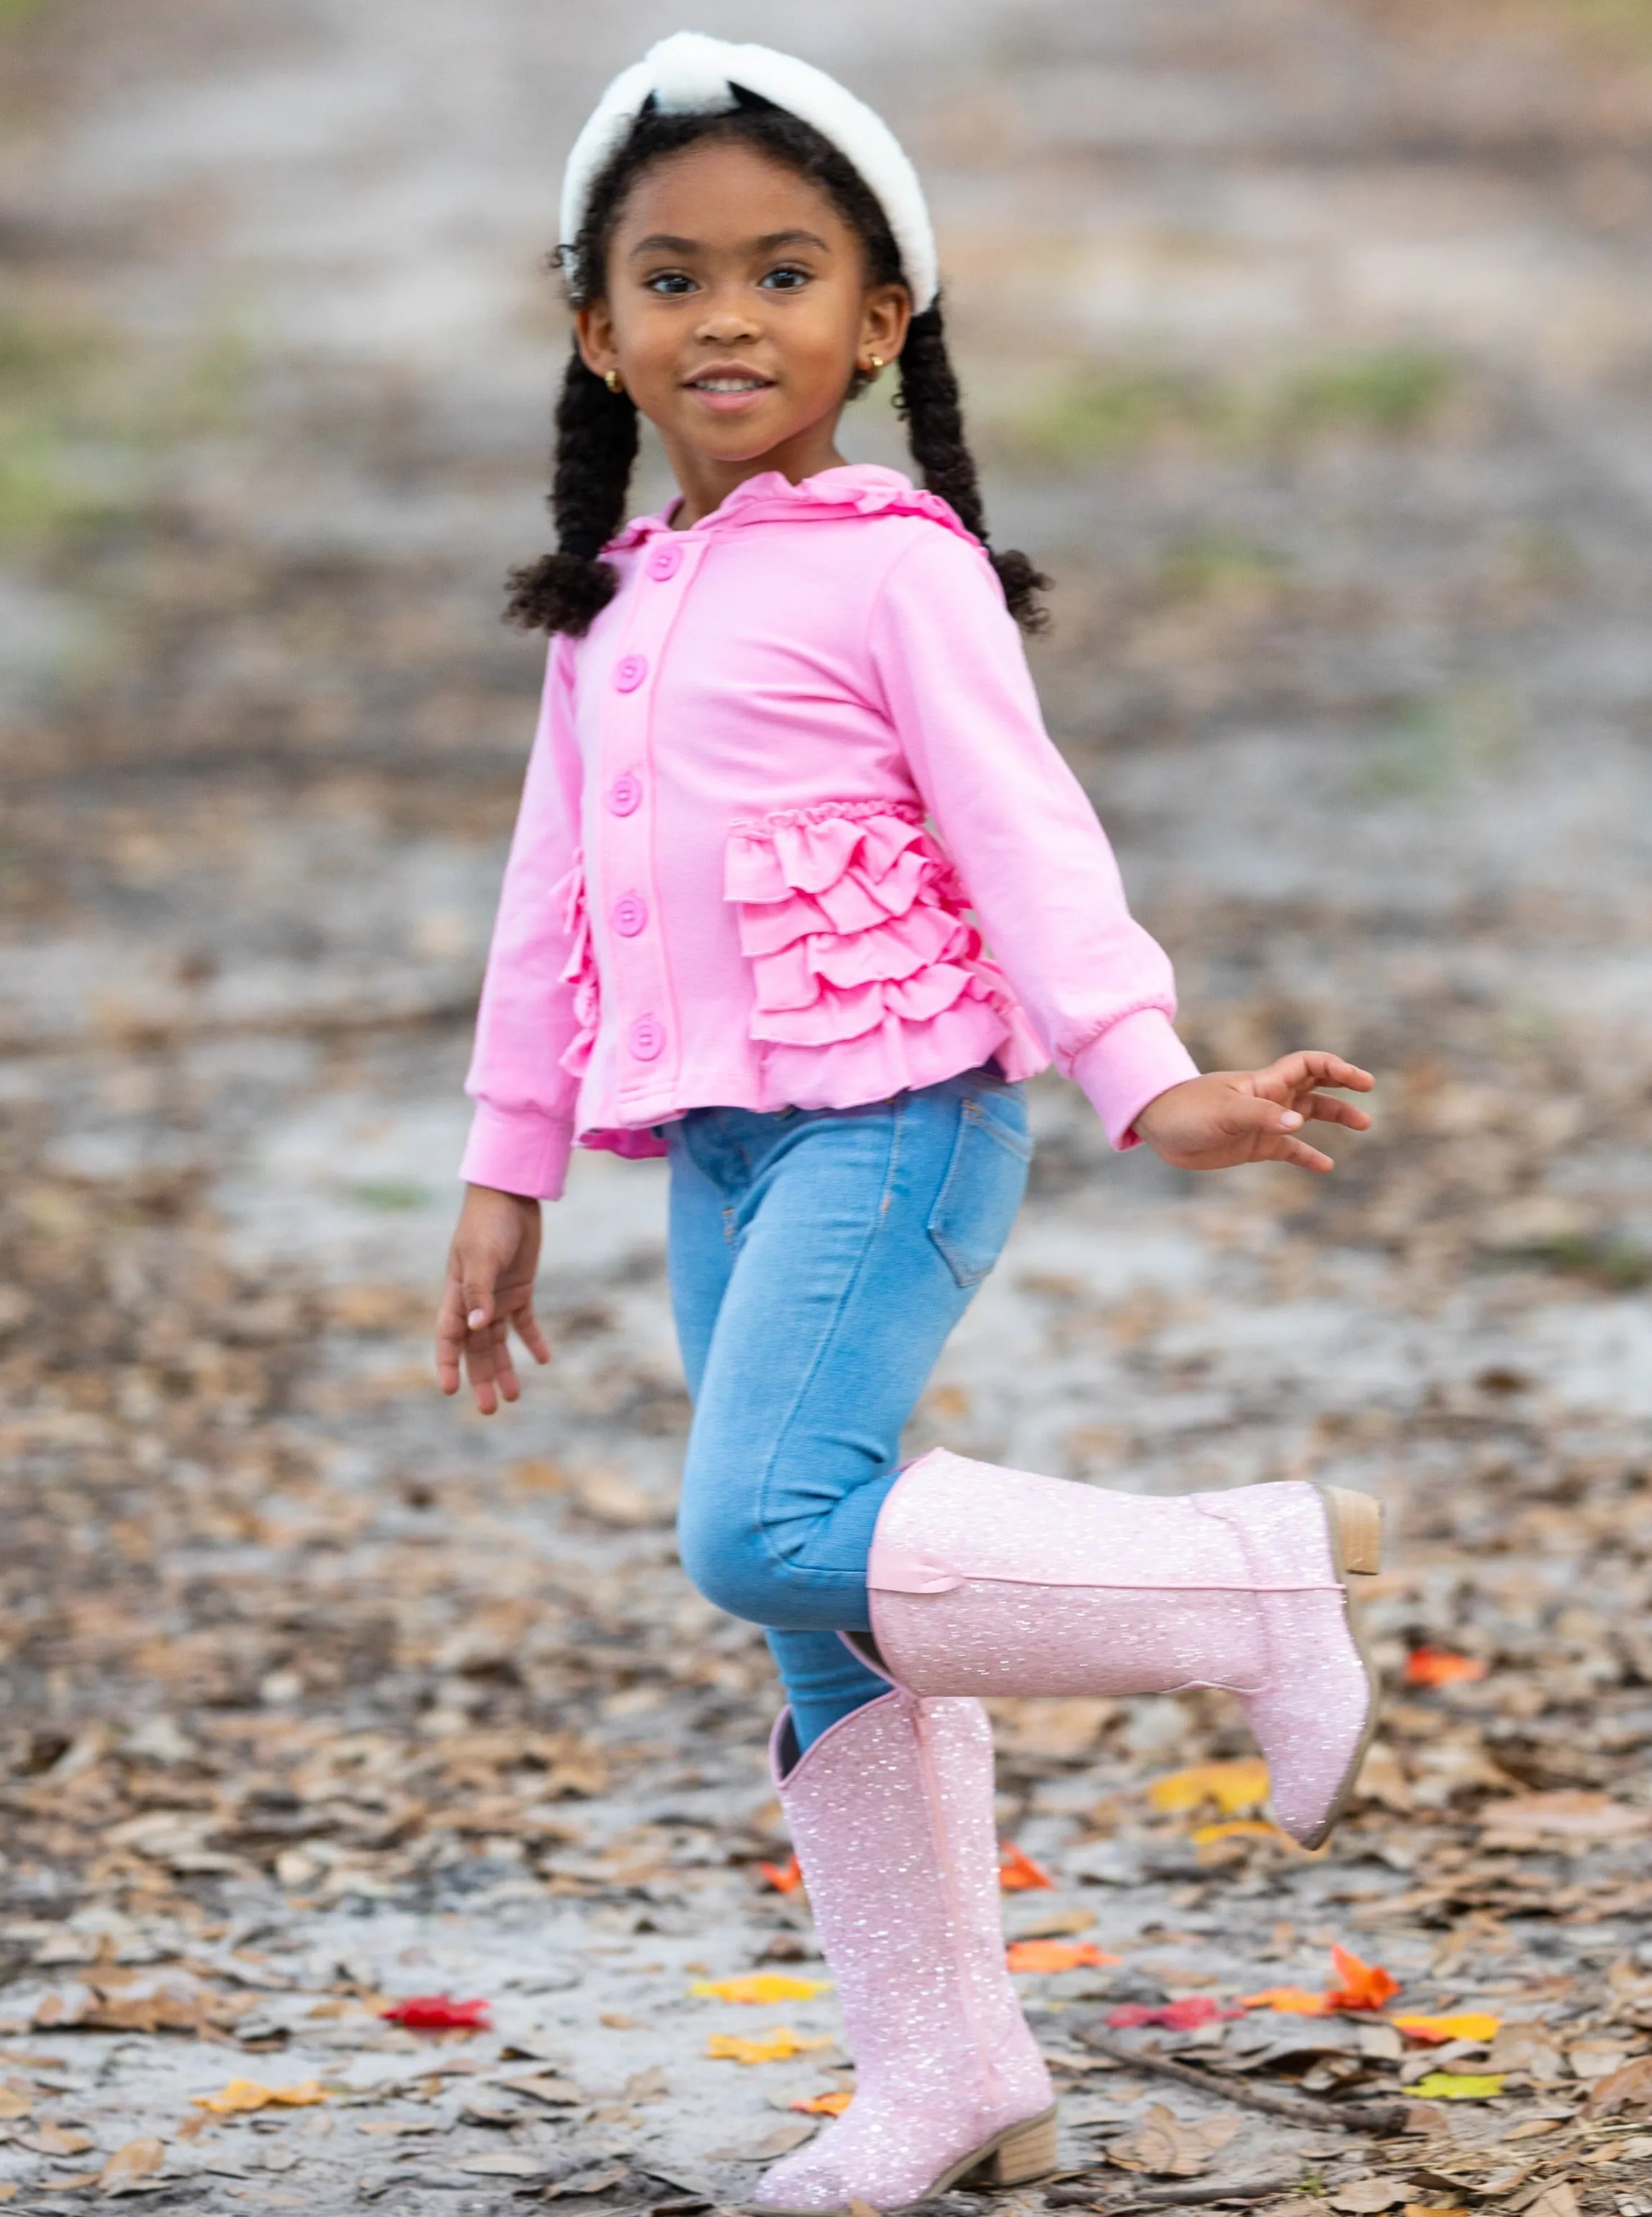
pixel 629 671
pixel 647 1038
pixel 630 914
pixel 625 795
pixel 665 561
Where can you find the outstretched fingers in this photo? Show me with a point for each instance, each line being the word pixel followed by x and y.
pixel 1326 1109
pixel 1266 1130
pixel 1311 1066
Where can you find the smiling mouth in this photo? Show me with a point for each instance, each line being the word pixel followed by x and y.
pixel 713 381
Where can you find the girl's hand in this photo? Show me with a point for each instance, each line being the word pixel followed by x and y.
pixel 1230 1116
pixel 490 1267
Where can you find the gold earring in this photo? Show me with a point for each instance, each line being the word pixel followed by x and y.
pixel 877 361
pixel 613 380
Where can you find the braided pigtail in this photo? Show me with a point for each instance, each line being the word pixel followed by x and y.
pixel 928 400
pixel 595 447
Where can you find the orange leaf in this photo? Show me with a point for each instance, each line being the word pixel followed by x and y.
pixel 1055 1956
pixel 1364 1986
pixel 1289 2001
pixel 1438 1666
pixel 785 1878
pixel 1017 1871
pixel 826 2105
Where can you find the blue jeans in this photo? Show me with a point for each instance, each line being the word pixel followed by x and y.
pixel 818 1260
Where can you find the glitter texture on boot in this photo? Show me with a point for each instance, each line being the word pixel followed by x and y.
pixel 993 1581
pixel 891 1815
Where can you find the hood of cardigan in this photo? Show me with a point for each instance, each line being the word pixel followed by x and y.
pixel 853 489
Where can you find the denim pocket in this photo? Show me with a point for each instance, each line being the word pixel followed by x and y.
pixel 985 1180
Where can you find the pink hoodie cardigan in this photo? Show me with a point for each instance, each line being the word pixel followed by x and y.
pixel 779 792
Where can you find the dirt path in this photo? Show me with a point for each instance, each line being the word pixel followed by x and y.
pixel 1308 346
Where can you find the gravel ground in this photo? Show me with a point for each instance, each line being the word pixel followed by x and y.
pixel 1308 346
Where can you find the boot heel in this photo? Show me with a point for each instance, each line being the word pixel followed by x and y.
pixel 1027 2153
pixel 1356 1521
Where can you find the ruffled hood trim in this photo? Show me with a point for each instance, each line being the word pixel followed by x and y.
pixel 854 488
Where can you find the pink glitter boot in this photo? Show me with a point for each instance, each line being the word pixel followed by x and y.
pixel 991 1581
pixel 891 1814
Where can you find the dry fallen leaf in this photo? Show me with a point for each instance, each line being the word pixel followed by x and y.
pixel 1364 2196
pixel 771 2046
pixel 1170 2148
pixel 1628 2088
pixel 242 2096
pixel 55 2139
pixel 14 2103
pixel 765 1987
pixel 785 1878
pixel 1233 1787
pixel 1569 1815
pixel 825 2105
pixel 1555 2200
pixel 129 2166
pixel 507 2164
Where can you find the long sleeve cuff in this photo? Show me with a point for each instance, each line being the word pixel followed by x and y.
pixel 1132 1063
pixel 517 1150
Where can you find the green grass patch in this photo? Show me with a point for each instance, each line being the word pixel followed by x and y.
pixel 1607 1259
pixel 389 1194
pixel 1113 409
pixel 84 422
pixel 1207 564
pixel 1432 744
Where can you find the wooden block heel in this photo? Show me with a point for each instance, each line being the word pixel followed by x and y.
pixel 1027 2153
pixel 1356 1521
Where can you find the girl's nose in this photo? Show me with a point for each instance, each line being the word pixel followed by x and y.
pixel 726 322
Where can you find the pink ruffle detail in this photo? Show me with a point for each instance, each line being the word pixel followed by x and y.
pixel 854 924
pixel 580 971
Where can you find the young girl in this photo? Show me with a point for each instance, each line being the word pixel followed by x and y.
pixel 799 893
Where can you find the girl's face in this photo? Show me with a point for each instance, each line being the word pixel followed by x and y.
pixel 737 311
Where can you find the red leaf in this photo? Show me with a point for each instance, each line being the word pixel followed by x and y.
pixel 785 1878
pixel 1185 2016
pixel 438 2013
pixel 1017 1871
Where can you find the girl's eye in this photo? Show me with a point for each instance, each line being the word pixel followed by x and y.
pixel 789 278
pixel 668 281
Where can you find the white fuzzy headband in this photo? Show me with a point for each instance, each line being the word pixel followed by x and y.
pixel 690 75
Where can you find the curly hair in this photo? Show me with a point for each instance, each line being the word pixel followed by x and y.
pixel 597 429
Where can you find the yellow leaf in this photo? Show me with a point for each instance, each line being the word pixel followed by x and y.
pixel 771 2046
pixel 242 2094
pixel 1466 2024
pixel 1238 1828
pixel 826 2105
pixel 764 1986
pixel 1233 1787
pixel 1433 2209
pixel 1456 2086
